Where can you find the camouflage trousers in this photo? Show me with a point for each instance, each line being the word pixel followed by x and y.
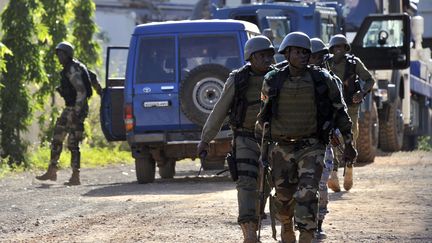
pixel 296 173
pixel 353 112
pixel 323 189
pixel 247 155
pixel 73 127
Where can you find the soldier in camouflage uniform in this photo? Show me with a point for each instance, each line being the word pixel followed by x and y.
pixel 302 104
pixel 349 69
pixel 319 51
pixel 75 88
pixel 240 100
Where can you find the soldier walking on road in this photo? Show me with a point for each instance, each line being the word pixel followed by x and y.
pixel 75 88
pixel 350 69
pixel 319 51
pixel 240 100
pixel 302 105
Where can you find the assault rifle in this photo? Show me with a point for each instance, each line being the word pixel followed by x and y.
pixel 264 165
pixel 336 143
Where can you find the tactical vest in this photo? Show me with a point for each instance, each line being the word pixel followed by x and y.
pixel 246 96
pixel 297 104
pixel 323 104
pixel 67 90
pixel 351 84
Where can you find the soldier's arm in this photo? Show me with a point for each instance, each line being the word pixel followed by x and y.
pixel 219 112
pixel 262 116
pixel 341 117
pixel 76 80
pixel 364 75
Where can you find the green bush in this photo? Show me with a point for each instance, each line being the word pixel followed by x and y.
pixel 425 143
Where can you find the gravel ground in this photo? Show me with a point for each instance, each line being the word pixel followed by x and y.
pixel 391 201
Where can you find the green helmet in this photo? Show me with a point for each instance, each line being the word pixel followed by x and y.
pixel 338 40
pixel 66 47
pixel 318 46
pixel 255 44
pixel 298 39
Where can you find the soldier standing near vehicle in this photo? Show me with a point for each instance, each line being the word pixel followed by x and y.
pixel 240 100
pixel 301 103
pixel 350 69
pixel 75 88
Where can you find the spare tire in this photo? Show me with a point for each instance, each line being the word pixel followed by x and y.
pixel 200 90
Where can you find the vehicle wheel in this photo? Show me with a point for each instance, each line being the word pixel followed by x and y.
pixel 167 169
pixel 200 91
pixel 214 163
pixel 145 168
pixel 367 142
pixel 391 132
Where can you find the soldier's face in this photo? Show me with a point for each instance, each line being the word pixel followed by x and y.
pixel 261 60
pixel 62 57
pixel 338 49
pixel 297 56
pixel 316 59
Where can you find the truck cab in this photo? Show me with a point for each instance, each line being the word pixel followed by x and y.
pixel 160 90
pixel 316 20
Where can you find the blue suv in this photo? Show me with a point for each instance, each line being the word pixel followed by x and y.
pixel 160 90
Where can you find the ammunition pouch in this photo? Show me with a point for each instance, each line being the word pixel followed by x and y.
pixel 232 166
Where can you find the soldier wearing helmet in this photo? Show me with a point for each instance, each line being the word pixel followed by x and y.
pixel 75 88
pixel 301 103
pixel 240 102
pixel 350 69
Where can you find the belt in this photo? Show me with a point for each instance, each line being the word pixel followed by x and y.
pixel 298 142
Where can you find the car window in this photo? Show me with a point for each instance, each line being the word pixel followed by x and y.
pixel 197 50
pixel 156 60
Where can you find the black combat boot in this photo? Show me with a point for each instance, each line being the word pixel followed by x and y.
pixel 75 178
pixel 51 173
pixel 320 234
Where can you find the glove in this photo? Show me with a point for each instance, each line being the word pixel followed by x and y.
pixel 358 97
pixel 202 149
pixel 349 153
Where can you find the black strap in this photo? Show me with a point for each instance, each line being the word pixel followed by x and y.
pixel 247 161
pixel 247 173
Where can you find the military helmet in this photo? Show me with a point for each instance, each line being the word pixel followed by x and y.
pixel 66 47
pixel 318 46
pixel 297 39
pixel 255 44
pixel 338 40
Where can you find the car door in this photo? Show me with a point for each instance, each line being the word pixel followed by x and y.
pixel 111 109
pixel 383 42
pixel 155 90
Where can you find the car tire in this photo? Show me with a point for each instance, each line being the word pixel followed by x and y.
pixel 145 168
pixel 167 169
pixel 200 90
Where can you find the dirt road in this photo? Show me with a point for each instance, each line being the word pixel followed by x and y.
pixel 391 202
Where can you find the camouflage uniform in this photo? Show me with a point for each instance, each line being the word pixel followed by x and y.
pixel 246 148
pixel 361 72
pixel 297 158
pixel 71 120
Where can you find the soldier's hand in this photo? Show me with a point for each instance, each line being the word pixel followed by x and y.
pixel 358 97
pixel 350 152
pixel 202 149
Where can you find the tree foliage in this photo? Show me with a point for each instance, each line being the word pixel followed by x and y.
pixel 22 32
pixel 84 28
pixel 55 18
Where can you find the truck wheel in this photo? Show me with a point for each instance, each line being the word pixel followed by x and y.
pixel 391 132
pixel 167 169
pixel 145 168
pixel 214 163
pixel 200 91
pixel 367 141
